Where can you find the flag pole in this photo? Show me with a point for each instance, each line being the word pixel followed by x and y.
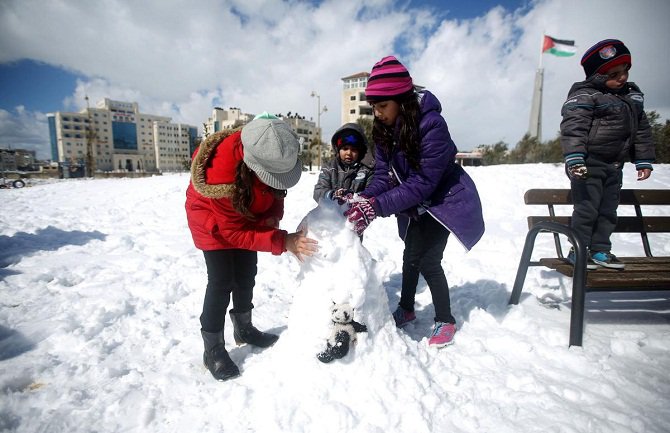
pixel 535 124
pixel 541 51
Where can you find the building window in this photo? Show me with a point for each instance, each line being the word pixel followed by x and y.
pixel 352 98
pixel 365 111
pixel 353 111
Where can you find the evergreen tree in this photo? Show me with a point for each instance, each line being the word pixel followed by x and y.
pixel 660 136
pixel 528 150
pixel 552 151
pixel 494 154
pixel 366 124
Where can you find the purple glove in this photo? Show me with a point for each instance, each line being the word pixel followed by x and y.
pixel 361 214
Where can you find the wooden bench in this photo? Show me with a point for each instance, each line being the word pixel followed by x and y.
pixel 641 273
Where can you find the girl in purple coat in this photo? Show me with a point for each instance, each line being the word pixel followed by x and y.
pixel 417 179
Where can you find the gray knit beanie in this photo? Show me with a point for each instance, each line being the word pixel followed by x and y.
pixel 271 151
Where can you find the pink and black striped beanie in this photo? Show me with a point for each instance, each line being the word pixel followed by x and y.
pixel 389 79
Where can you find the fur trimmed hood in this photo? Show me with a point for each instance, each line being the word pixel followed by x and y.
pixel 213 169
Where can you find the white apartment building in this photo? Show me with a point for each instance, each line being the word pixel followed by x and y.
pixel 226 119
pixel 306 129
pixel 354 104
pixel 173 145
pixel 120 138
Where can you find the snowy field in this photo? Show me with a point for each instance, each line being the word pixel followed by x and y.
pixel 101 290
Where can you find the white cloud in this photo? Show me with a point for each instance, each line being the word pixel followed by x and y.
pixel 23 129
pixel 181 60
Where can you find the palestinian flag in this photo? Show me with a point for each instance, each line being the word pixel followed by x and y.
pixel 558 47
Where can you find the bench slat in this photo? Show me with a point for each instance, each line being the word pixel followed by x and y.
pixel 632 281
pixel 640 272
pixel 625 224
pixel 628 196
pixel 633 278
pixel 634 263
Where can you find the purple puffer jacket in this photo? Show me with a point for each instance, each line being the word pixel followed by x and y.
pixel 441 187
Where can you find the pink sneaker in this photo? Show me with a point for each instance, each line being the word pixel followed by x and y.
pixel 443 334
pixel 402 317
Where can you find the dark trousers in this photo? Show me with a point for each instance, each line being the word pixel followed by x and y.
pixel 596 199
pixel 424 248
pixel 228 272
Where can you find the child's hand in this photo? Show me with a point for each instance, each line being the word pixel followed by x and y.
pixel 361 214
pixel 578 171
pixel 643 174
pixel 342 195
pixel 299 244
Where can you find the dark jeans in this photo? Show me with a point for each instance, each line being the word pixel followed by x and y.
pixel 228 272
pixel 596 199
pixel 424 248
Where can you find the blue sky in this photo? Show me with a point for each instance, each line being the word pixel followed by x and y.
pixel 35 85
pixel 478 57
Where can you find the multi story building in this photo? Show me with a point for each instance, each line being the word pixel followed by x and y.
pixel 354 104
pixel 226 119
pixel 119 137
pixel 306 130
pixel 17 160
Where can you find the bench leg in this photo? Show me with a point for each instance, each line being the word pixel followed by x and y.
pixel 524 262
pixel 578 295
pixel 578 275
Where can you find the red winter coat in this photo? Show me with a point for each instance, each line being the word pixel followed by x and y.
pixel 214 223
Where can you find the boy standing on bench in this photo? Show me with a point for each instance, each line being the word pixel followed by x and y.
pixel 603 125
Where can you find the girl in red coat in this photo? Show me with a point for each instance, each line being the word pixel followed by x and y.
pixel 234 203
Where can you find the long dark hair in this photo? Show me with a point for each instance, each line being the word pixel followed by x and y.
pixel 243 193
pixel 407 126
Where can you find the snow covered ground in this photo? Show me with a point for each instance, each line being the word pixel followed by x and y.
pixel 101 290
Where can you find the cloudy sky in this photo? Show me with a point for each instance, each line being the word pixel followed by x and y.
pixel 181 58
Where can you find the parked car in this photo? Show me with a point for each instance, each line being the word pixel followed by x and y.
pixel 9 183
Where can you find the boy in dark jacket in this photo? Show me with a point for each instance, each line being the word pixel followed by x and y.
pixel 603 126
pixel 346 174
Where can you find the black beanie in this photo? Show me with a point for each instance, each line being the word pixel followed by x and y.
pixel 605 55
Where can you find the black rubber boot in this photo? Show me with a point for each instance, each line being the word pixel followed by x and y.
pixel 216 358
pixel 245 332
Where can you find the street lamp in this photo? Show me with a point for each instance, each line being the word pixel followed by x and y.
pixel 319 111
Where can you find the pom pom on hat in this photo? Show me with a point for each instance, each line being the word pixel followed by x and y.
pixel 388 80
pixel 605 55
pixel 271 151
